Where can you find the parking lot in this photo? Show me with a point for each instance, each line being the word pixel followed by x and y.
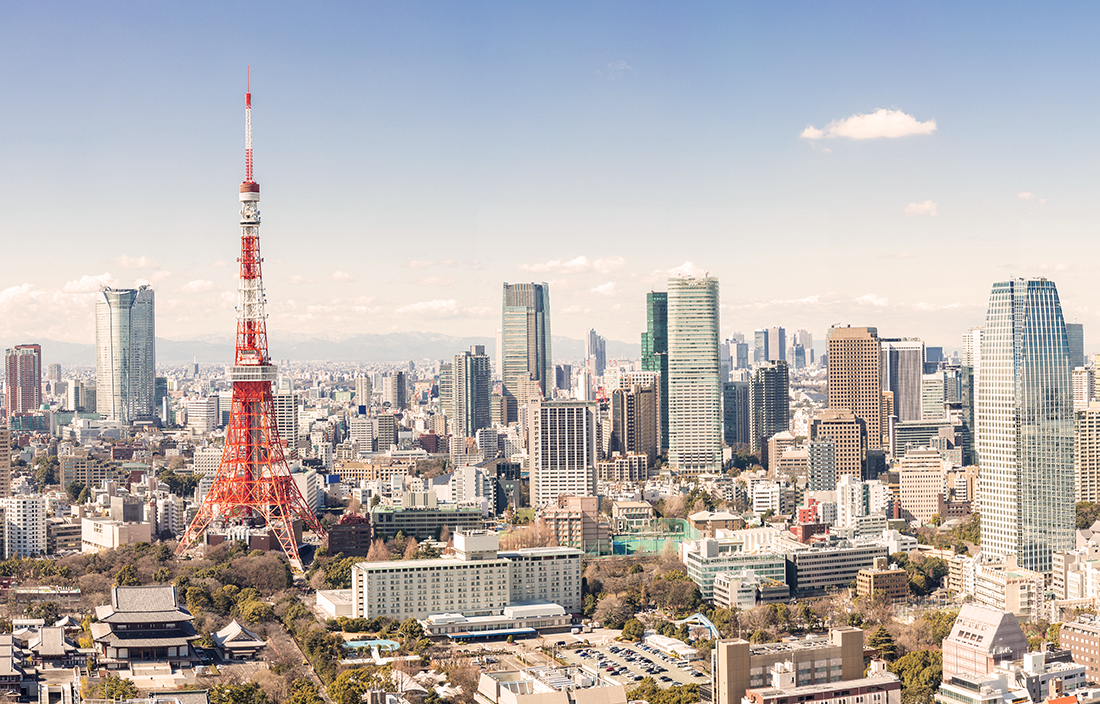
pixel 632 663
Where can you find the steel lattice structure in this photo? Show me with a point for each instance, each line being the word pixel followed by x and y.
pixel 253 481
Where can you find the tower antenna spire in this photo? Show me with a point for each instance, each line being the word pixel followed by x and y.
pixel 248 126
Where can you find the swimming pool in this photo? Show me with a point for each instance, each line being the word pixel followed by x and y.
pixel 382 644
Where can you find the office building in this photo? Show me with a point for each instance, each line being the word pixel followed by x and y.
pixel 822 464
pixel 395 391
pixel 286 417
pixel 24 526
pixel 855 368
pixel 422 522
pixel 849 436
pixel 736 413
pixel 23 379
pixel 980 639
pixel 575 523
pixel 478 581
pixel 769 403
pixel 1082 638
pixel 708 557
pixel 1086 454
pixel 1026 426
pixel 595 352
pixel 1084 380
pixel 739 665
pixel 901 370
pixel 655 351
pixel 816 571
pixel 126 355
pixel 5 462
pixel 202 414
pixel 934 396
pixel 635 419
pixel 525 345
pixel 561 444
pixel 776 345
pixel 472 379
pixel 892 584
pixel 364 389
pixel 695 391
pixel 1075 339
pixel 922 484
pixel 880 686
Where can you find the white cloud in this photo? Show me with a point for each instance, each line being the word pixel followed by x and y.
pixel 574 310
pixel 440 308
pixel 927 207
pixel 881 123
pixel 872 299
pixel 197 286
pixel 341 276
pixel 686 269
pixel 615 68
pixel 580 263
pixel 89 284
pixel 219 263
pixel 142 262
pixel 297 279
pixel 1053 267
pixel 441 281
pixel 1024 195
pixel 607 289
pixel 418 264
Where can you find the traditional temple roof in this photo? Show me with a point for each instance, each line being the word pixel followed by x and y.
pixel 51 642
pixel 235 635
pixel 157 604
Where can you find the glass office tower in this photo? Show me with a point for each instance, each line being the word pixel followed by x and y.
pixel 1026 426
pixel 125 340
pixel 525 345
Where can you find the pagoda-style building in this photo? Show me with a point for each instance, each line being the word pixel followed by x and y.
pixel 141 625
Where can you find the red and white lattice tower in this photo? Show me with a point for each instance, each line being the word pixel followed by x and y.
pixel 253 483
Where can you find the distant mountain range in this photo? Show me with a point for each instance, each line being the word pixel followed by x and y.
pixel 394 347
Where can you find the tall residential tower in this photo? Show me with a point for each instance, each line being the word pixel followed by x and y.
pixel 694 386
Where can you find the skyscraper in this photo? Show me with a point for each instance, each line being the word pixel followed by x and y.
pixel 525 345
pixel 735 413
pixel 5 463
pixel 562 446
pixel 901 369
pixel 655 351
pixel 125 340
pixel 472 376
pixel 854 377
pixel 777 344
pixel 694 387
pixel 635 425
pixel 23 374
pixel 1075 335
pixel 1026 426
pixel 595 352
pixel 769 404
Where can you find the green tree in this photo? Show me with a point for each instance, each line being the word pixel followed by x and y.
pixel 256 611
pixel 114 687
pixel 350 685
pixel 883 642
pixel 411 629
pixel 197 600
pixel 940 623
pixel 127 577
pixel 633 630
pixel 303 691
pixel 250 693
pixel 73 490
pixel 920 672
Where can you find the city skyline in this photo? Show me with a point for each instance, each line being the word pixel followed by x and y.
pixel 459 143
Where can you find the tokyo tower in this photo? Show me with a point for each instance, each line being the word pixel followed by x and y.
pixel 253 485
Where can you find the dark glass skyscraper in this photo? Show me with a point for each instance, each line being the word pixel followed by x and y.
pixel 655 351
pixel 525 345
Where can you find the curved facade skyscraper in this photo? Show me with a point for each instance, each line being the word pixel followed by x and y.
pixel 694 383
pixel 1026 426
pixel 125 352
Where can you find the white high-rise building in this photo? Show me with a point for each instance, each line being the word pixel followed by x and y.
pixel 902 368
pixel 1083 380
pixel 694 386
pixel 364 389
pixel 125 339
pixel 24 526
pixel 1026 426
pixel 561 443
pixel 286 417
pixel 202 414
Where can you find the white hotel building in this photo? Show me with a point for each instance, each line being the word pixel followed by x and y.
pixel 477 581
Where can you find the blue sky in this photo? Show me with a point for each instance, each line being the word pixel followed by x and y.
pixel 415 155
